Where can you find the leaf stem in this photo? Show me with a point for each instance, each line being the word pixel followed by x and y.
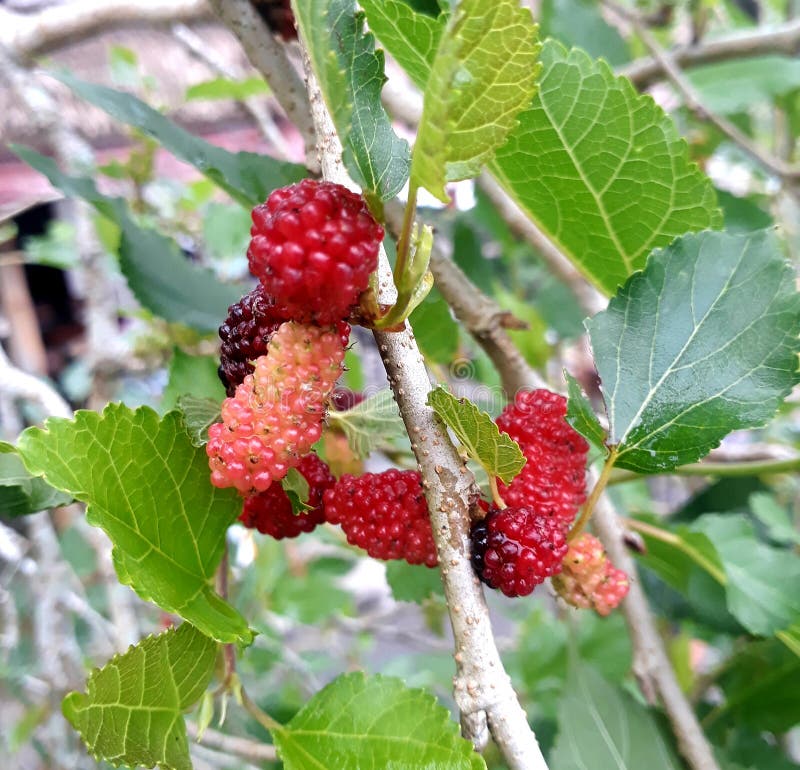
pixel 665 536
pixel 228 650
pixel 723 470
pixel 600 485
pixel 404 241
pixel 496 499
pixel 255 711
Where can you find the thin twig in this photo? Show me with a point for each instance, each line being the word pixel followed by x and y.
pixel 200 49
pixel 695 104
pixel 483 690
pixel 232 744
pixel 719 470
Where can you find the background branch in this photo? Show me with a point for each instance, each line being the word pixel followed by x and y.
pixel 783 39
pixel 61 25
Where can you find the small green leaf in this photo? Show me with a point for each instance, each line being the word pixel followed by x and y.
pixel 703 342
pixel 132 713
pixel 373 723
pixel 434 328
pixel 412 582
pixel 20 492
pixel 192 375
pixel 602 169
pixel 580 24
pixel 580 414
pixel 227 88
pixel 729 87
pixel 603 728
pixel 372 424
pixel 148 487
pixel 484 73
pixel 350 73
pixel 410 37
pixel 199 414
pixel 499 454
pixel 297 490
pixel 763 586
pixel 160 277
pixel 245 176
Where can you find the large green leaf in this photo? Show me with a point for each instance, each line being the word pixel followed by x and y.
pixel 21 493
pixel 497 452
pixel 701 343
pixel 603 728
pixel 350 73
pixel 484 73
pixel 132 713
pixel 373 723
pixel 411 37
pixel 148 487
pixel 245 176
pixel 763 583
pixel 761 683
pixel 160 277
pixel 601 169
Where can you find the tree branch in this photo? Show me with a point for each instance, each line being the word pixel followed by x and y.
pixel 231 744
pixel 61 25
pixel 783 39
pixel 18 384
pixel 269 57
pixel 483 690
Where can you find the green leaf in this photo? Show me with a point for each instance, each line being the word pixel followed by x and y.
pixel 763 586
pixel 199 414
pixel 227 88
pixel 412 582
pixel 484 73
pixel 701 343
pixel 579 24
pixel 159 276
pixel 372 723
pixel 580 414
pixel 297 490
pixel 499 454
pixel 434 328
pixel 148 487
pixel 736 86
pixel 21 493
pixel 245 176
pixel 350 73
pixel 743 215
pixel 412 38
pixel 601 169
pixel 761 683
pixel 774 517
pixel 132 713
pixel 192 375
pixel 603 728
pixel 372 424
